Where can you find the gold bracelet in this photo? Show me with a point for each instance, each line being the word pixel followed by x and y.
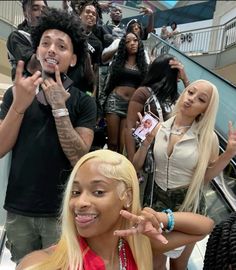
pixel 20 113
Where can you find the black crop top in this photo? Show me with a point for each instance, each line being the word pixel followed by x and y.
pixel 128 77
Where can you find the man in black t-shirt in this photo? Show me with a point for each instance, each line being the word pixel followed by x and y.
pixel 48 125
pixel 88 12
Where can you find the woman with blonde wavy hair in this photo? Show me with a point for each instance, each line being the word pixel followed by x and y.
pixel 103 226
pixel 186 153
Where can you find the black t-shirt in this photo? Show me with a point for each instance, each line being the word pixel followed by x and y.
pixel 39 167
pixel 102 33
pixel 95 48
pixel 79 79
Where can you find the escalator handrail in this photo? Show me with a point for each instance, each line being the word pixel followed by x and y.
pixel 189 58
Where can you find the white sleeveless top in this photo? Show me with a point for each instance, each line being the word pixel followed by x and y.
pixel 177 169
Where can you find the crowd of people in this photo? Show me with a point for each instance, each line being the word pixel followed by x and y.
pixel 70 207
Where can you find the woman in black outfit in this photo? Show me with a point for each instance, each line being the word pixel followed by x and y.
pixel 126 73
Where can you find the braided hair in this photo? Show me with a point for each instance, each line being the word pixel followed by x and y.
pixel 221 246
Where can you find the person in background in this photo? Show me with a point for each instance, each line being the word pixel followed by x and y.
pixel 88 12
pixel 186 155
pixel 174 37
pixel 221 249
pixel 67 5
pixel 19 43
pixel 165 36
pixel 103 226
pixel 48 124
pixel 115 27
pixel 161 78
pixel 164 33
pixel 133 26
pixel 125 76
pixel 136 26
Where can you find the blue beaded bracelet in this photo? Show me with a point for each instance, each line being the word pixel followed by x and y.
pixel 171 220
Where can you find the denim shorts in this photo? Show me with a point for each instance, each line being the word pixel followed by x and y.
pixel 172 199
pixel 26 234
pixel 117 105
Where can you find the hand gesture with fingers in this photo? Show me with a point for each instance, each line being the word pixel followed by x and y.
pixel 231 145
pixel 181 72
pixel 145 11
pixel 146 223
pixel 56 94
pixel 105 6
pixel 24 89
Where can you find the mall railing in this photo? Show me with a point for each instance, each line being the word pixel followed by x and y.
pixel 209 39
pixel 11 12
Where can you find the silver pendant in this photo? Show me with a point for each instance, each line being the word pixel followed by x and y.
pixel 176 132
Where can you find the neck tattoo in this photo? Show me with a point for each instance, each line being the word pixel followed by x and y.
pixel 122 255
pixel 178 131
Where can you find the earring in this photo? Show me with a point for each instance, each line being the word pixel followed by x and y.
pixel 72 65
pixel 127 206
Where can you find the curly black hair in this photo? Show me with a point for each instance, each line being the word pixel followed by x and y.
pixel 120 59
pixel 162 79
pixel 221 246
pixel 79 5
pixel 24 3
pixel 53 18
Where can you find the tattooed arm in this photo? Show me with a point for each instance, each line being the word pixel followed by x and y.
pixel 75 142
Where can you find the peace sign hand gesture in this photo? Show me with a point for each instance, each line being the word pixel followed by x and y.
pixel 147 223
pixel 24 89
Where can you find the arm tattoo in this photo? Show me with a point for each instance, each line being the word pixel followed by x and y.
pixel 72 143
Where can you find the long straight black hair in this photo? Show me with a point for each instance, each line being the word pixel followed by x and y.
pixel 162 79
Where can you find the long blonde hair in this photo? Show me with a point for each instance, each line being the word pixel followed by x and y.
pixel 207 146
pixel 67 254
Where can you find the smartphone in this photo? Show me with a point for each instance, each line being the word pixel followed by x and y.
pixel 148 123
pixel 66 81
